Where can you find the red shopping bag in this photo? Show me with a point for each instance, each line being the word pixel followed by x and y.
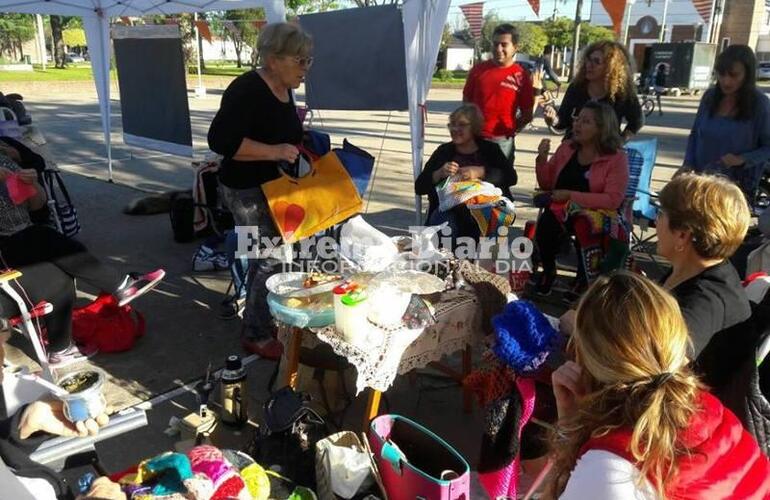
pixel 107 326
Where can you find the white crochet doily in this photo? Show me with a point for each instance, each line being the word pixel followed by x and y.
pixel 399 350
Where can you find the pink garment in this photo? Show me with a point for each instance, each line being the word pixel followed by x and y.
pixel 607 177
pixel 18 190
pixel 503 482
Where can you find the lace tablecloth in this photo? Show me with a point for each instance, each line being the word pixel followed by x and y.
pixel 458 323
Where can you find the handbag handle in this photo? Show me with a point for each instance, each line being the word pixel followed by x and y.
pixel 311 156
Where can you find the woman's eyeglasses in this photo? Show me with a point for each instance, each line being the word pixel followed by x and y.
pixel 457 126
pixel 305 62
pixel 596 61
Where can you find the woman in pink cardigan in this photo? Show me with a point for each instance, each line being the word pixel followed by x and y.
pixel 584 184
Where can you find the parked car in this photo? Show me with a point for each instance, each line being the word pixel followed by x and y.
pixel 763 71
pixel 72 57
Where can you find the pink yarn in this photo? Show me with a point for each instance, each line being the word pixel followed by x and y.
pixel 503 482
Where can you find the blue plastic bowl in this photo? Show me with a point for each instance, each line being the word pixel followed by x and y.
pixel 301 318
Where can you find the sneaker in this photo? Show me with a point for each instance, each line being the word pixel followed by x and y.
pixel 208 259
pixel 69 356
pixel 264 348
pixel 136 285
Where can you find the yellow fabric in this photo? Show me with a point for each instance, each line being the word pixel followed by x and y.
pixel 304 206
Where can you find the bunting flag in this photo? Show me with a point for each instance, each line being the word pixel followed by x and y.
pixel 615 9
pixel 203 29
pixel 535 4
pixel 704 9
pixel 258 24
pixel 233 29
pixel 474 14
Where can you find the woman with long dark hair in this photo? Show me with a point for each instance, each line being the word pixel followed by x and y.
pixel 731 132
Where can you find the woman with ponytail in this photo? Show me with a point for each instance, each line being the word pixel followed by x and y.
pixel 634 421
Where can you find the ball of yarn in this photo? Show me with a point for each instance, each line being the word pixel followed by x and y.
pixel 524 336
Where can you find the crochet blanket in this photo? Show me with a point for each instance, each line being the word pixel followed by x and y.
pixel 489 208
pixel 603 236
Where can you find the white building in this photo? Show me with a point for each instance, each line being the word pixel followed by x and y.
pixel 459 55
pixel 223 50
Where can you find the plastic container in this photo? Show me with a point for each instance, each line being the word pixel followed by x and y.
pixel 339 292
pixel 353 325
pixel 85 403
pixel 301 318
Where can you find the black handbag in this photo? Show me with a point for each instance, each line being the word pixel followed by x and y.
pixel 286 442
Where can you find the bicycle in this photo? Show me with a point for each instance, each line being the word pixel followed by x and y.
pixel 548 100
pixel 647 102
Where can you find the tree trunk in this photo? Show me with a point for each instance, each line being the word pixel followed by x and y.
pixel 238 46
pixel 58 41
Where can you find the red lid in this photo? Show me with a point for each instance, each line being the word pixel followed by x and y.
pixel 344 288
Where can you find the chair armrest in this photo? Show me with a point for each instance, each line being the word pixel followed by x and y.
pixel 58 449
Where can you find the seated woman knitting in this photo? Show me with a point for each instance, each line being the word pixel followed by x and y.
pixel 50 261
pixel 584 184
pixel 634 420
pixel 473 177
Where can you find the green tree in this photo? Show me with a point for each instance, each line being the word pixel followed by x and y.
pixel 300 7
pixel 15 29
pixel 491 20
pixel 532 38
pixel 74 37
pixel 559 31
pixel 245 32
pixel 590 34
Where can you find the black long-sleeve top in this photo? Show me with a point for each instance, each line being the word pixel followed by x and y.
pixel 249 109
pixel 498 170
pixel 576 97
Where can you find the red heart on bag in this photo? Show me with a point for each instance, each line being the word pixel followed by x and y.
pixel 289 216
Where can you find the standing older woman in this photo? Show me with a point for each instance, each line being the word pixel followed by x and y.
pixel 701 223
pixel 587 173
pixel 255 129
pixel 634 421
pixel 731 132
pixel 604 75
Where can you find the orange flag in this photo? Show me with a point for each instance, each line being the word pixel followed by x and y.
pixel 615 9
pixel 535 4
pixel 203 29
pixel 125 20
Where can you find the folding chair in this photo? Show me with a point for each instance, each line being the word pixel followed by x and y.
pixel 644 211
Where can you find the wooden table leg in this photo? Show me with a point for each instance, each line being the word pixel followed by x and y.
pixel 292 357
pixel 372 407
pixel 467 394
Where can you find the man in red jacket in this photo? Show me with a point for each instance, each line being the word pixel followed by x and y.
pixel 501 89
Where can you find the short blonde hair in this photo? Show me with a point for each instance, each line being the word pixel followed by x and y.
pixel 712 208
pixel 473 114
pixel 631 341
pixel 283 39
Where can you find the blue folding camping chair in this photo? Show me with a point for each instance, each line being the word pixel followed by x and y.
pixel 641 158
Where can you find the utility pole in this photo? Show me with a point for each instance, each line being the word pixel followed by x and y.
pixel 576 39
pixel 663 23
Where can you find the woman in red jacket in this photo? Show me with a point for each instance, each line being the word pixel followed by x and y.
pixel 634 421
pixel 586 174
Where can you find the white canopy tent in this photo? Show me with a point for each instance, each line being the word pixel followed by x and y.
pixel 423 26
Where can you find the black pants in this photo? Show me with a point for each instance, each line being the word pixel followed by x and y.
pixel 53 261
pixel 549 236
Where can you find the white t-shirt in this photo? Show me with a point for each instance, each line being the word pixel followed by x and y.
pixel 602 475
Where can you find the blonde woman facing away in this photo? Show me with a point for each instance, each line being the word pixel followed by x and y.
pixel 634 421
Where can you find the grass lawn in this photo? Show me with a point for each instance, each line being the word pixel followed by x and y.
pixel 72 73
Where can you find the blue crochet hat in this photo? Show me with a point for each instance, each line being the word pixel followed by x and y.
pixel 524 336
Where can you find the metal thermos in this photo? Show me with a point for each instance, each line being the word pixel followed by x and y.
pixel 234 393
